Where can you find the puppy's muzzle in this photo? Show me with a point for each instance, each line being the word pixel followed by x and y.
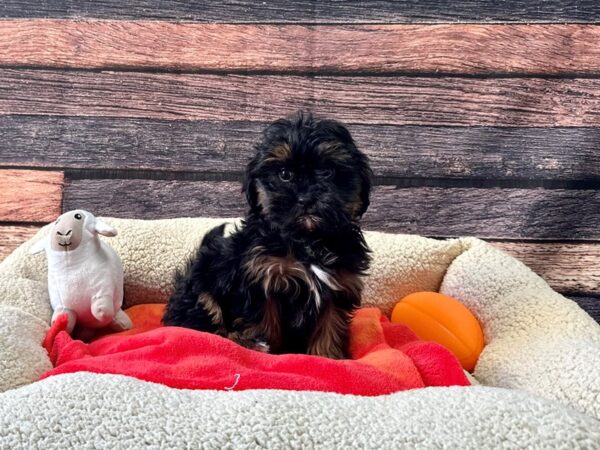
pixel 305 201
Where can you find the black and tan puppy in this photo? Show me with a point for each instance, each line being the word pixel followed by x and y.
pixel 288 279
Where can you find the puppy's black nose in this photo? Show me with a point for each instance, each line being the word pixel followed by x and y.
pixel 303 200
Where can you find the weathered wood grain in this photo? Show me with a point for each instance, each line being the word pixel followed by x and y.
pixel 591 305
pixel 312 11
pixel 30 196
pixel 153 199
pixel 372 100
pixel 459 49
pixel 491 213
pixel 570 268
pixel 225 147
pixel 11 236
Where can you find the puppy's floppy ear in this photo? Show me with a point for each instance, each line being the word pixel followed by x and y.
pixel 365 174
pixel 249 187
pixel 361 162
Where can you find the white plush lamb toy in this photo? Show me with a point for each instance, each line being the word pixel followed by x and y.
pixel 85 275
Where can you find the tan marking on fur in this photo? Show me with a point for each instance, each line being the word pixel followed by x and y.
pixel 330 335
pixel 238 322
pixel 270 325
pixel 268 328
pixel 212 308
pixel 279 274
pixel 281 152
pixel 334 150
pixel 262 197
pixel 353 208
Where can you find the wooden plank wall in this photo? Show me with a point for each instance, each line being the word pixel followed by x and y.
pixel 479 117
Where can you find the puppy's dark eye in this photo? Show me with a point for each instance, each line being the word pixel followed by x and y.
pixel 78 216
pixel 325 173
pixel 286 175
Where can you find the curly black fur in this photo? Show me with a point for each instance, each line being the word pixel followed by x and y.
pixel 288 279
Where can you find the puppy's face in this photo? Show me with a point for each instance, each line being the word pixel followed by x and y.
pixel 308 176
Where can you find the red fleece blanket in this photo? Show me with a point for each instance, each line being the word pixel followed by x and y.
pixel 385 358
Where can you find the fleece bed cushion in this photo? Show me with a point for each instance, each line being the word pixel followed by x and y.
pixel 540 347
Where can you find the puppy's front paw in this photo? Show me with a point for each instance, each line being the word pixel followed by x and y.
pixel 261 346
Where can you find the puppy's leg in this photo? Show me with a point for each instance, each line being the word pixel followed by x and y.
pixel 193 305
pixel 199 312
pixel 249 335
pixel 249 340
pixel 330 337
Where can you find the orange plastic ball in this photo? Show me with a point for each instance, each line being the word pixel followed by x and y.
pixel 442 319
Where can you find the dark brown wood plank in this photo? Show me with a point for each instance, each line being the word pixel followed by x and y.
pixel 153 199
pixel 30 196
pixel 570 268
pixel 11 236
pixel 459 49
pixel 373 100
pixel 311 11
pixel 225 147
pixel 491 213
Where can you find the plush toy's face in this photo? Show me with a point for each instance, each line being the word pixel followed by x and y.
pixel 67 232
pixel 72 230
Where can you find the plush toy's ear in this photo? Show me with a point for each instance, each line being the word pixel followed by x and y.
pixel 104 229
pixel 38 247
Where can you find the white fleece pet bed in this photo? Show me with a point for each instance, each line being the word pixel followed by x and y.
pixel 540 369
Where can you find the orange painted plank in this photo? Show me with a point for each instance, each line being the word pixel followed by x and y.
pixel 30 195
pixel 454 48
pixel 13 236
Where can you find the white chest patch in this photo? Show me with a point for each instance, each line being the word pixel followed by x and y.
pixel 285 274
pixel 326 278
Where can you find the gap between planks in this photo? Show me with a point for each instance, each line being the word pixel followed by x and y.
pixel 312 11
